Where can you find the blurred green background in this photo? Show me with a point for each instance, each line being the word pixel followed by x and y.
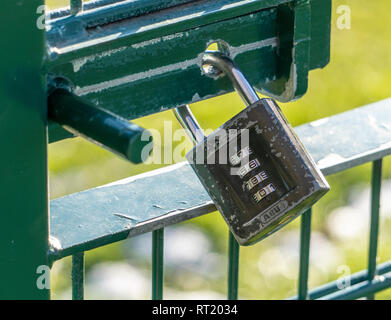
pixel 359 73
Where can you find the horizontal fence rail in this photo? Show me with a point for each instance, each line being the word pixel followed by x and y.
pixel 74 217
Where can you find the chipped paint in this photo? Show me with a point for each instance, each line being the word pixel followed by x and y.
pixel 234 51
pixel 174 36
pixel 134 77
pixel 146 43
pixel 126 216
pixel 79 63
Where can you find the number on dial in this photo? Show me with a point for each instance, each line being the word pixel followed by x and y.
pixel 259 195
pixel 256 179
pixel 248 167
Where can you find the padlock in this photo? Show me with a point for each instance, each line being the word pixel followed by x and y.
pixel 258 183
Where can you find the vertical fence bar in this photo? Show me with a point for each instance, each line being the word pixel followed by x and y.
pixel 157 264
pixel 78 276
pixel 76 6
pixel 24 231
pixel 374 227
pixel 233 267
pixel 305 237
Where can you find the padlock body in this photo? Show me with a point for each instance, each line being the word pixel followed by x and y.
pixel 257 172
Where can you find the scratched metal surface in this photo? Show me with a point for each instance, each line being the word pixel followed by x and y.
pixel 167 196
pixel 126 208
pixel 133 66
pixel 138 6
pixel 99 12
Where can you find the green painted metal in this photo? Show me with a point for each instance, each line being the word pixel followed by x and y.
pixel 90 219
pixel 320 33
pixel 99 126
pixel 24 230
pixel 293 54
pixel 157 264
pixel 116 78
pixel 374 228
pixel 338 143
pixel 103 51
pixel 107 64
pixel 195 202
pixel 361 284
pixel 78 276
pixel 354 279
pixel 233 267
pixel 364 283
pixel 107 11
pixel 362 289
pixel 305 237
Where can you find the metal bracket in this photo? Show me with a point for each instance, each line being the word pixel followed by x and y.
pixel 133 64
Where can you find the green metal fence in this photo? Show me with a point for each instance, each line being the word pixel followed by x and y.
pixel 362 284
pixel 103 52
pixel 319 139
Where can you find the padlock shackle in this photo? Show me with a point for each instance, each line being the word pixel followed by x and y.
pixel 189 123
pixel 226 65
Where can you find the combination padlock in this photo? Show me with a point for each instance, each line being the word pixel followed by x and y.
pixel 254 167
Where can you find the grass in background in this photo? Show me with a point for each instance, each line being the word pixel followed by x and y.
pixel 359 73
